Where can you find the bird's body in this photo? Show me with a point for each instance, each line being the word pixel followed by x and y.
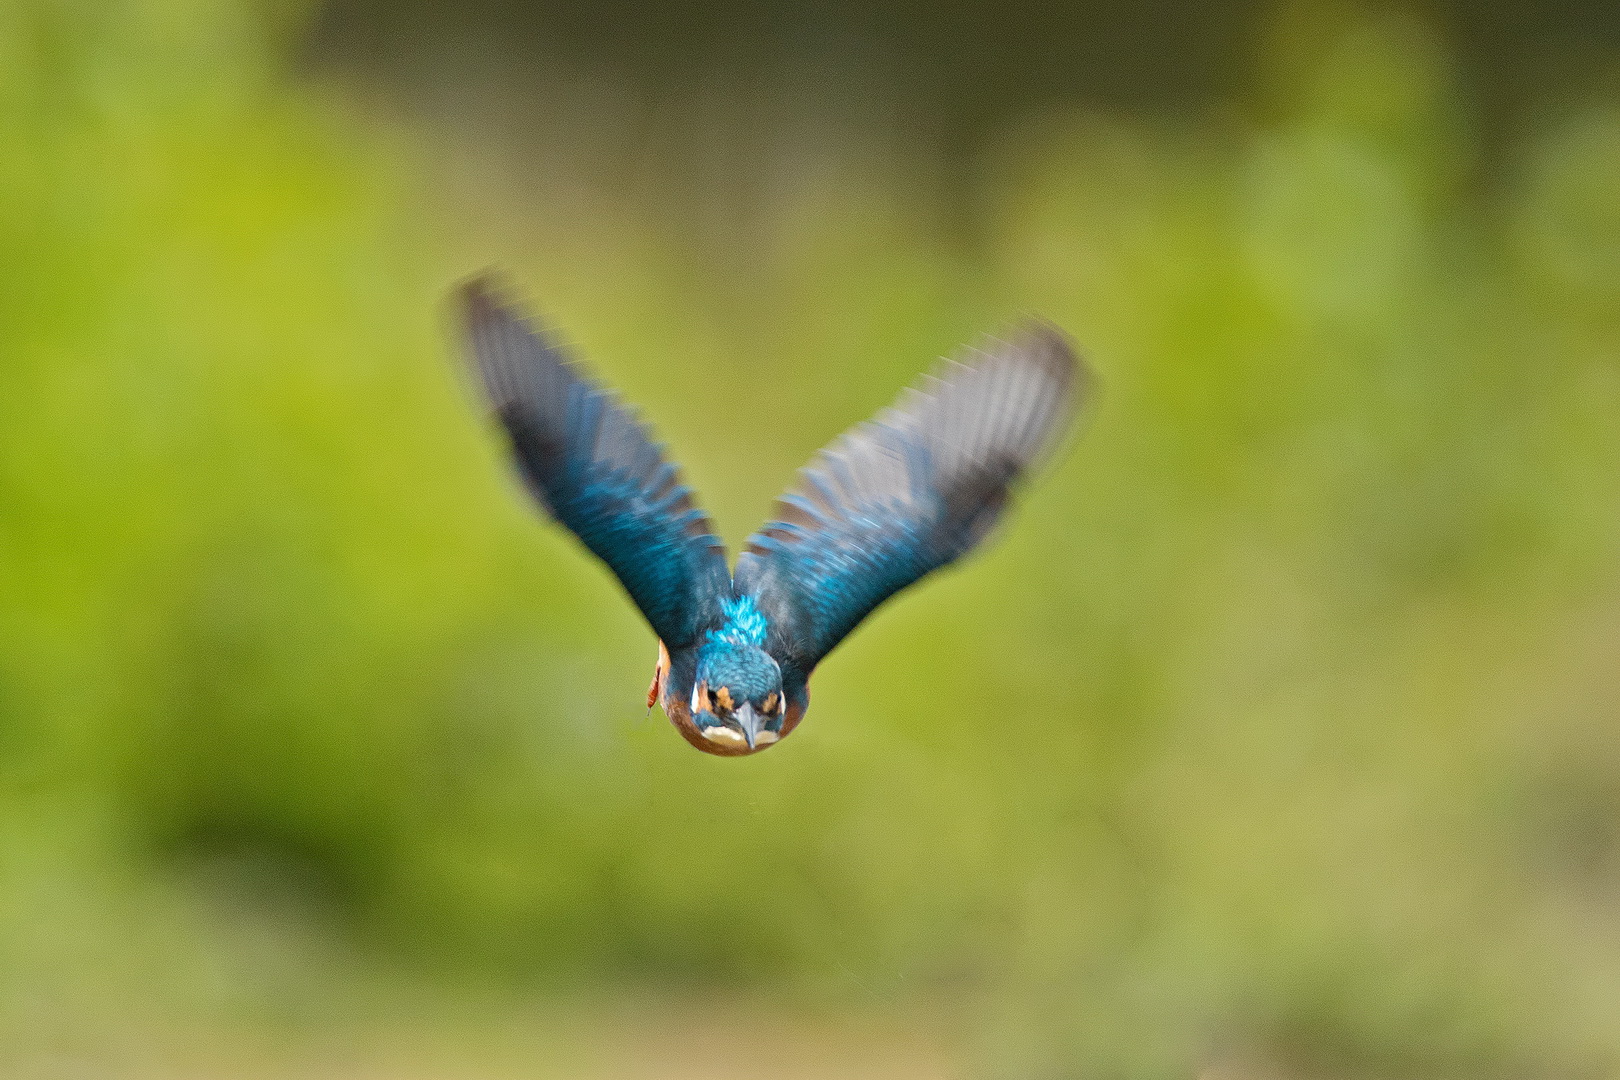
pixel 887 503
pixel 732 666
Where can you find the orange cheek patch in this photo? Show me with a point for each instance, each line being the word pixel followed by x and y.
pixel 723 696
pixel 770 705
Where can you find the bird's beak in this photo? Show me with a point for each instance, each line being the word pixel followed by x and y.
pixel 749 721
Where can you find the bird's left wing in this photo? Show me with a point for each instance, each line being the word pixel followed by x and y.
pixel 593 466
pixel 910 491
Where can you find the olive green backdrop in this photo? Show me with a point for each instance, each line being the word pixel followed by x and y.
pixel 1277 737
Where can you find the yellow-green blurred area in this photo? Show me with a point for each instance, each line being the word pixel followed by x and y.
pixel 1276 738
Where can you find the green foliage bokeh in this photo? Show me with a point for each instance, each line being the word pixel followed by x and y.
pixel 1277 727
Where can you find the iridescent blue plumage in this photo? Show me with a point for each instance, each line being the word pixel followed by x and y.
pixel 920 485
pixel 743 625
pixel 591 464
pixel 886 504
pixel 737 677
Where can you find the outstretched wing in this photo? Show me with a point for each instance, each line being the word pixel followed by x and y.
pixel 910 491
pixel 592 465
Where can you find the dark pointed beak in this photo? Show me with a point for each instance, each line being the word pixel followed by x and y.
pixel 749 721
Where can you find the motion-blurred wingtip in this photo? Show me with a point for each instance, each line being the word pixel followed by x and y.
pixel 481 294
pixel 1047 339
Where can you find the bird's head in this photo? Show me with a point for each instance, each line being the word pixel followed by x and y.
pixel 737 701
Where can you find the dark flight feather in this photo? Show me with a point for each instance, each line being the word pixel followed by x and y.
pixel 893 499
pixel 595 468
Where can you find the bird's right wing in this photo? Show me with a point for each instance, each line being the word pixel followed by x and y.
pixel 910 491
pixel 594 468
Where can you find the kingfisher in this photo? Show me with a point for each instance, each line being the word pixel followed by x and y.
pixel 885 504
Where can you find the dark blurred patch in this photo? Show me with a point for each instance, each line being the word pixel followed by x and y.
pixel 971 63
pixel 1569 817
pixel 243 856
pixel 964 69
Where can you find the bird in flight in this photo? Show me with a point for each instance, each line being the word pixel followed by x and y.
pixel 887 503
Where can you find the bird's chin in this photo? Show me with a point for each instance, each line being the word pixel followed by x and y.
pixel 732 739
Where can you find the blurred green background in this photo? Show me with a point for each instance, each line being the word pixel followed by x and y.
pixel 1278 738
